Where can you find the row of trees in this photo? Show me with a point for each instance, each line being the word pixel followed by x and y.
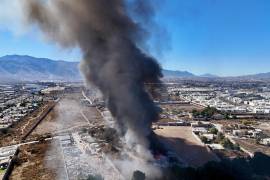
pixel 207 112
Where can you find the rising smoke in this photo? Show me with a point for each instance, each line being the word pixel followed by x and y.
pixel 111 42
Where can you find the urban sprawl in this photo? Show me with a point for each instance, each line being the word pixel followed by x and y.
pixel 225 119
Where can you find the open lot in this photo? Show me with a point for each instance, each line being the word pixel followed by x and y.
pixel 15 133
pixel 68 115
pixel 251 146
pixel 182 107
pixel 34 161
pixel 265 126
pixel 188 148
pixel 47 159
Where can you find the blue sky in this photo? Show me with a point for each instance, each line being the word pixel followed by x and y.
pixel 35 45
pixel 223 37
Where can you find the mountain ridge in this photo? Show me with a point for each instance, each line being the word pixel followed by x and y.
pixel 28 68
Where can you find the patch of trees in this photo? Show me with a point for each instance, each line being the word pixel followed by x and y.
pixel 204 139
pixel 213 130
pixel 207 112
pixel 226 143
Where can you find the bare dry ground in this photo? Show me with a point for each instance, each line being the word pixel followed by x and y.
pixel 251 146
pixel 34 163
pixel 181 107
pixel 44 160
pixel 265 126
pixel 68 115
pixel 16 132
pixel 230 154
pixel 181 140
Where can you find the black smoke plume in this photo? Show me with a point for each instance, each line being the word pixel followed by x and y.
pixel 111 41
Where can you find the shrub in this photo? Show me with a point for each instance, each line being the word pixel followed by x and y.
pixel 204 139
pixel 213 130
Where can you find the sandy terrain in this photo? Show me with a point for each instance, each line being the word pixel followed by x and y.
pixel 188 148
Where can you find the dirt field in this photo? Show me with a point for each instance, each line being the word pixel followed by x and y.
pixel 265 126
pixel 16 132
pixel 44 161
pixel 252 147
pixel 187 107
pixel 181 140
pixel 35 163
pixel 66 116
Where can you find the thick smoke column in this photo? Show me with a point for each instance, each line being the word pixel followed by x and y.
pixel 109 39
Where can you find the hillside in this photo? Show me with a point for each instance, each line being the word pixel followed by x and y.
pixel 27 68
pixel 180 74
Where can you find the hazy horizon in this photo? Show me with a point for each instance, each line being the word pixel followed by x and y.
pixel 181 70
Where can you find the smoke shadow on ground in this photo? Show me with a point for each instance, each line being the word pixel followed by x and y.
pixel 191 154
pixel 244 168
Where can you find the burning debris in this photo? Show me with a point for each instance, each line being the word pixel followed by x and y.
pixel 111 42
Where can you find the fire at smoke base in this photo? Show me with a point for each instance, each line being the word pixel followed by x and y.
pixel 110 40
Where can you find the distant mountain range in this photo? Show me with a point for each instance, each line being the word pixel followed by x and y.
pixel 257 76
pixel 207 75
pixel 183 74
pixel 27 68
